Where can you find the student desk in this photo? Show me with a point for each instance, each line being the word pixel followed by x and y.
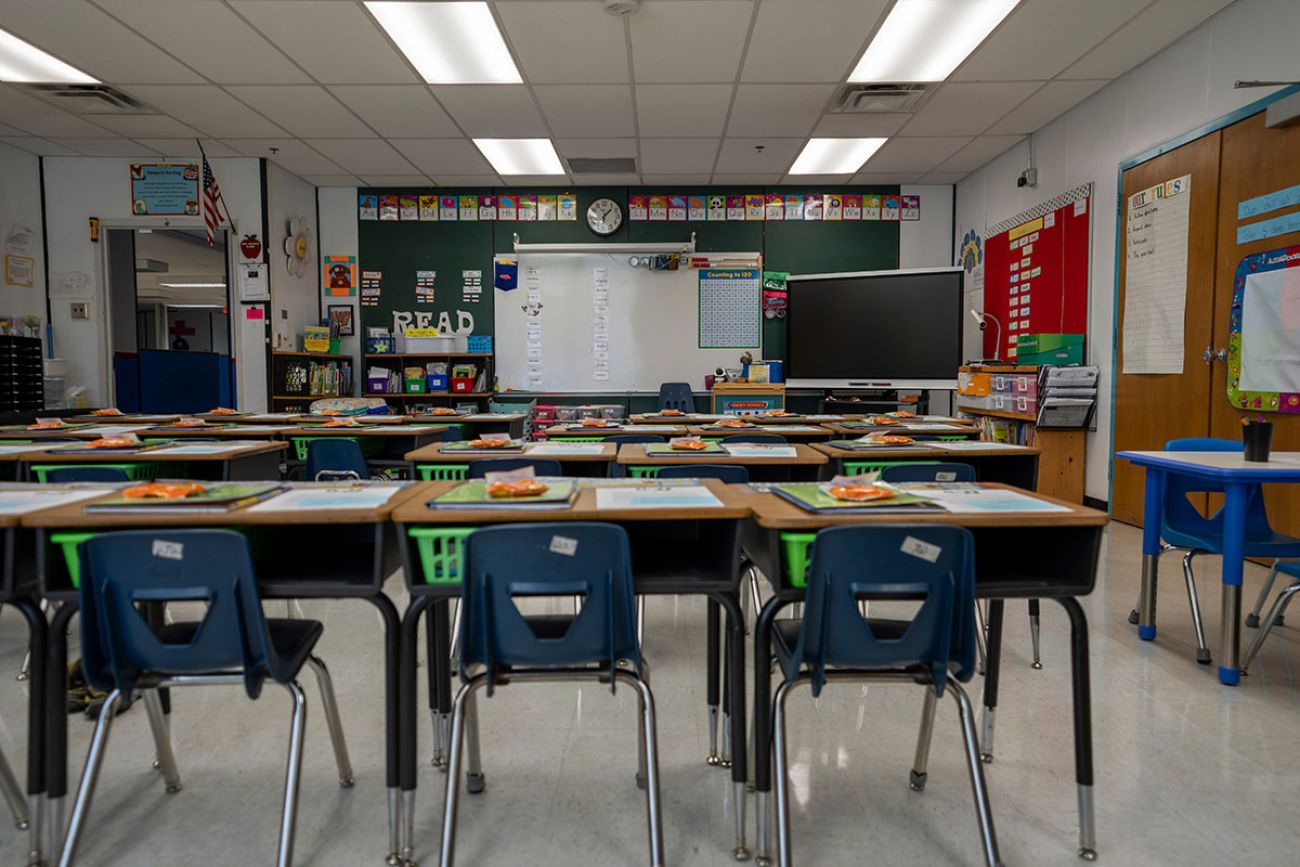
pixel 575 463
pixel 705 418
pixel 252 461
pixel 82 430
pixel 481 422
pixel 560 431
pixel 802 432
pixel 906 428
pixel 993 462
pixel 217 431
pixel 1237 476
pixel 674 551
pixel 387 442
pixel 806 464
pixel 125 418
pixel 1018 555
pixel 305 554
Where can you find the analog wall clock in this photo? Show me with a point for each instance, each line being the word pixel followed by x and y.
pixel 604 217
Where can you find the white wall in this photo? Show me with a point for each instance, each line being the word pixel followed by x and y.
pixel 1181 89
pixel 338 237
pixel 927 242
pixel 20 205
pixel 78 188
pixel 289 197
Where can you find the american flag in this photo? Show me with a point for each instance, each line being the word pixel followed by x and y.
pixel 211 201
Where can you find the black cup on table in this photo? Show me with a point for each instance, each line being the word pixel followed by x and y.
pixel 1257 438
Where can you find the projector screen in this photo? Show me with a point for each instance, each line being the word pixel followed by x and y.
pixel 875 329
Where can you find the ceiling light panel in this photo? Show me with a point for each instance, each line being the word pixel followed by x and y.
pixel 521 156
pixel 25 63
pixel 448 43
pixel 925 40
pixel 835 156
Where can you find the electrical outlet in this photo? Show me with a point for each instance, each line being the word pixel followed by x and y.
pixel 80 309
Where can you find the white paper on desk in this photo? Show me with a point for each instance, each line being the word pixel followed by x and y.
pixel 971 445
pixel 16 448
pixel 21 502
pixel 972 499
pixel 208 448
pixel 109 430
pixel 329 498
pixel 561 448
pixel 933 426
pixel 757 450
pixel 684 497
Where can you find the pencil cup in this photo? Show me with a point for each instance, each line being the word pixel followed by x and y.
pixel 1257 437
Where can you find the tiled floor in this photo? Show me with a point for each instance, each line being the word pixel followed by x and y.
pixel 1188 772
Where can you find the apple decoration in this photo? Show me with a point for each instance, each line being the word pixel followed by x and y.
pixel 250 247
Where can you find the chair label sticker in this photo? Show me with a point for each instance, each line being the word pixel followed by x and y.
pixel 564 545
pixel 920 549
pixel 168 550
pixel 947 476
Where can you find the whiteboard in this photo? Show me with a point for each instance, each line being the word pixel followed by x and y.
pixel 652 327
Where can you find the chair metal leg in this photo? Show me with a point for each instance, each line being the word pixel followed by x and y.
pixel 713 664
pixel 921 763
pixel 330 705
pixel 1252 619
pixel 755 596
pixel 455 627
pixel 293 774
pixel 649 737
pixel 25 667
pixel 475 782
pixel 1202 650
pixel 781 776
pixel 640 619
pixel 979 789
pixel 1274 613
pixel 13 794
pixel 94 759
pixel 162 741
pixel 981 636
pixel 1034 629
pixel 447 854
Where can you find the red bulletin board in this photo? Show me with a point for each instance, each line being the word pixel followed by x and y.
pixel 1036 271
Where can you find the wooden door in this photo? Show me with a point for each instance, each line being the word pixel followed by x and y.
pixel 1255 160
pixel 1151 409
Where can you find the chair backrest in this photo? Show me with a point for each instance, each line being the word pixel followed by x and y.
pixel 86 473
pixel 336 458
pixel 541 466
pixel 124 569
pixel 1179 516
pixel 934 564
pixel 729 473
pixel 676 395
pixel 509 561
pixel 452 434
pixel 939 472
pixel 635 438
pixel 753 438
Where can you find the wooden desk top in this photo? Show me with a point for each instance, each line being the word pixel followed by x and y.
pixel 775 513
pixel 663 430
pixel 415 511
pixel 367 430
pixel 433 453
pixel 126 418
pixel 788 431
pixel 950 429
pixel 634 454
pixel 75 517
pixel 226 431
pixel 928 449
pixel 705 417
pixel 472 418
pixel 159 454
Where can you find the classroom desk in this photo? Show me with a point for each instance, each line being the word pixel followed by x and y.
pixel 1019 555
pixel 125 418
pixel 806 464
pixel 906 428
pixel 705 418
pixel 575 463
pixel 217 431
pixel 674 551
pixel 993 462
pixel 482 422
pixel 560 431
pixel 804 432
pixel 82 430
pixel 1237 476
pixel 393 440
pixel 291 563
pixel 251 461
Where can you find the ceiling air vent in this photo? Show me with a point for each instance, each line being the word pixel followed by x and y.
pixel 880 98
pixel 602 165
pixel 88 98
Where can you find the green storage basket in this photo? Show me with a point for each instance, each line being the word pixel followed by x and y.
pixel 134 472
pixel 798 554
pixel 69 542
pixel 442 472
pixel 857 468
pixel 643 472
pixel 370 446
pixel 442 552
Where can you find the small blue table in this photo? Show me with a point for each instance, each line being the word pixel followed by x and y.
pixel 1237 475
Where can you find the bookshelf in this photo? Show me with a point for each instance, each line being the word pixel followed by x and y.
pixel 483 362
pixel 298 378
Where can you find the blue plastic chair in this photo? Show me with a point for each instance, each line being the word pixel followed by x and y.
pixel 452 435
pixel 548 467
pixel 936 647
pixel 335 458
pixel 676 395
pixel 737 439
pixel 234 643
pixel 87 473
pixel 508 562
pixel 730 473
pixel 939 472
pixel 1291 569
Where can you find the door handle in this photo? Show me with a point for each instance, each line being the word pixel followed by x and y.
pixel 1209 356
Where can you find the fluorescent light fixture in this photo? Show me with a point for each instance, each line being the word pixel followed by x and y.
pixel 835 156
pixel 925 40
pixel 448 43
pixel 521 156
pixel 24 63
pixel 193 285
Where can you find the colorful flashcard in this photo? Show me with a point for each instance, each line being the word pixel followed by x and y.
pixel 469 208
pixel 428 208
pixel 546 209
pixel 425 291
pixel 637 208
pixel 812 206
pixel 754 206
pixel 735 207
pixel 794 206
pixel 889 207
pixel 833 207
pixel 775 207
pixel 527 208
pixel 717 208
pixel 566 206
pixel 852 206
pixel 487 207
pixel 658 208
pixel 367 206
pixel 388 208
pixel 507 209
pixel 871 207
pixel 695 210
pixel 911 209
pixel 677 209
pixel 448 209
pixel 408 208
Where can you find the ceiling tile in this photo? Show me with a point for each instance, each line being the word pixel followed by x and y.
pixel 741 154
pixel 396 180
pixel 913 155
pixel 966 108
pixel 689 40
pixel 38 117
pixel 291 153
pixel 596 147
pixel 364 156
pixel 467 180
pixel 777 109
pixel 209 109
pixel 186 147
pixel 444 156
pixel 1042 37
pixel 675 180
pixel 334 40
pixel 86 37
pixel 599 180
pixel 682 109
pixel 39 146
pixel 211 38
pixel 751 179
pixel 809 40
pixel 9 131
pixel 105 147
pixel 1155 27
pixel 304 110
pixel 398 111
pixel 678 155
pixel 332 180
pixel 492 110
pixel 555 182
pixel 587 109
pixel 944 177
pixel 980 151
pixel 1053 100
pixel 859 125
pixel 884 178
pixel 144 125
pixel 541 35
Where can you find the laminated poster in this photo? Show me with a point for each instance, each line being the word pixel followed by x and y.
pixel 388 208
pixel 754 206
pixel 637 208
pixel 487 207
pixel 340 275
pixel 546 209
pixel 407 208
pixel 527 208
pixel 812 207
pixel 717 208
pixel 507 207
pixel 911 209
pixel 469 208
pixel 367 207
pixel 794 206
pixel 658 208
pixel 871 207
pixel 695 210
pixel 834 207
pixel 677 209
pixel 447 209
pixel 889 208
pixel 775 206
pixel 428 209
pixel 852 206
pixel 735 207
pixel 567 207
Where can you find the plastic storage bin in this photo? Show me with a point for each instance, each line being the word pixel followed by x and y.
pixel 442 552
pixel 437 381
pixel 462 384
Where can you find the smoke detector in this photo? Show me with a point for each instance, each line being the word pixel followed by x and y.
pixel 622 7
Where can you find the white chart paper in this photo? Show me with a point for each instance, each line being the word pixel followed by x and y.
pixel 1270 332
pixel 1155 280
pixel 686 497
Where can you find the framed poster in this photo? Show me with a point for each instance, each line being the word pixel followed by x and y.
pixel 341 315
pixel 165 189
